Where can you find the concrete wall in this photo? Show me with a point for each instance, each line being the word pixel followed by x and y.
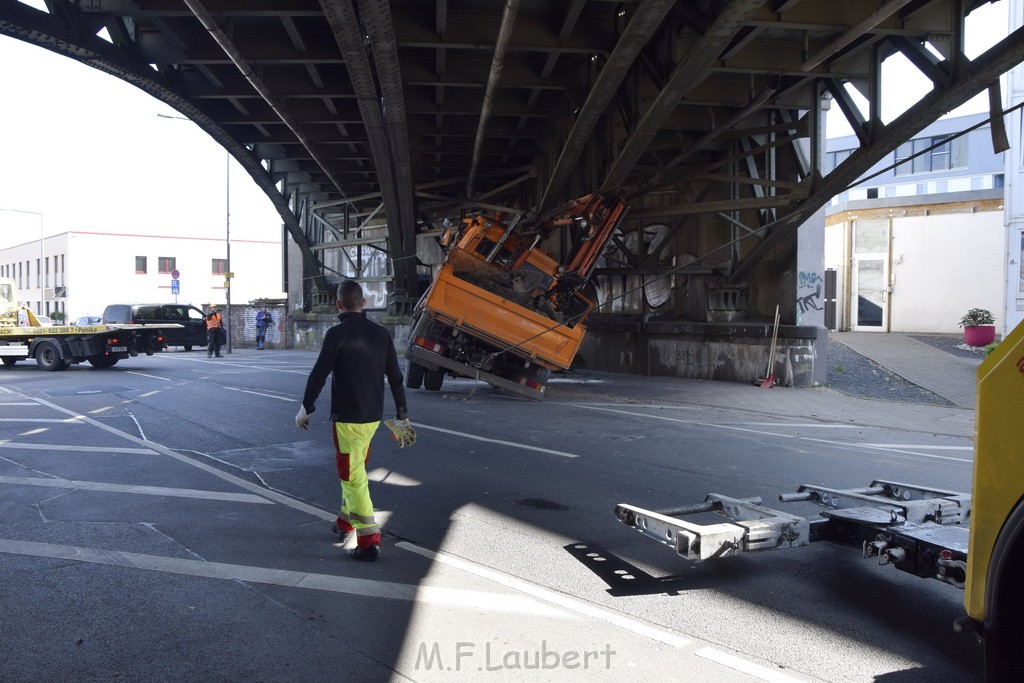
pixel 732 352
pixel 243 327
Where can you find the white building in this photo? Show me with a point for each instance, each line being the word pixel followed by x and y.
pixel 79 273
pixel 922 242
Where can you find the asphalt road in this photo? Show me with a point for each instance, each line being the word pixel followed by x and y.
pixel 164 520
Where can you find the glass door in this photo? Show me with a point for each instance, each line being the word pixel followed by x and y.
pixel 870 276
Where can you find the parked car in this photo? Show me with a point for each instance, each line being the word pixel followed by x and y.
pixel 89 320
pixel 193 321
pixel 44 321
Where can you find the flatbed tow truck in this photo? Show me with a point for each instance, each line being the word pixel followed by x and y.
pixel 974 542
pixel 60 346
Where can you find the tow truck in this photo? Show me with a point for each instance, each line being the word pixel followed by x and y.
pixel 501 309
pixel 971 541
pixel 58 347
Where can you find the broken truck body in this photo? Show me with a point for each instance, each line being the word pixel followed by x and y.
pixel 501 309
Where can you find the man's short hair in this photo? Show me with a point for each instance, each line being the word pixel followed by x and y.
pixel 350 294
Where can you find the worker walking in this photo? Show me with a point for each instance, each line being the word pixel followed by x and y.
pixel 358 352
pixel 214 330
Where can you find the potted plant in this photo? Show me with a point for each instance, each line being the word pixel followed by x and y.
pixel 979 327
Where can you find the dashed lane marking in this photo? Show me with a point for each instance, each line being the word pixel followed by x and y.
pixel 900 450
pixel 697 423
pixel 513 444
pixel 59 448
pixel 136 489
pixel 142 374
pixel 455 597
pixel 289 399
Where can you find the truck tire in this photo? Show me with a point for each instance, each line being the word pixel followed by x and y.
pixel 48 357
pixel 433 379
pixel 187 347
pixel 9 361
pixel 102 361
pixel 414 375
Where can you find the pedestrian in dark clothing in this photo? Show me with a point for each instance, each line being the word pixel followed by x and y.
pixel 358 352
pixel 263 321
pixel 214 330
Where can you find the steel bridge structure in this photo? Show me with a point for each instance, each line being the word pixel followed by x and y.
pixel 368 122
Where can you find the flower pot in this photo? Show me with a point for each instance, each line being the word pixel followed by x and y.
pixel 982 335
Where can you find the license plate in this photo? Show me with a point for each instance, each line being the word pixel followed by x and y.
pixel 116 349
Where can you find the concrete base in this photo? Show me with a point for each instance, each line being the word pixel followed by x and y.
pixel 732 352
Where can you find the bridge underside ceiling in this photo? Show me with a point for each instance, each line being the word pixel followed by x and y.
pixel 368 122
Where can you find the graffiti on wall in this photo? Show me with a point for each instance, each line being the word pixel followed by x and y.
pixel 808 295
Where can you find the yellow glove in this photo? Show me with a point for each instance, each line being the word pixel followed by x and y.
pixel 401 431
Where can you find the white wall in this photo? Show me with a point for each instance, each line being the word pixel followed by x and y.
pixel 943 266
pixel 1013 312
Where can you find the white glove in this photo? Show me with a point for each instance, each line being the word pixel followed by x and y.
pixel 301 418
pixel 401 431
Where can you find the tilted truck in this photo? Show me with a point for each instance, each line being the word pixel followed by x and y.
pixel 974 541
pixel 60 346
pixel 501 309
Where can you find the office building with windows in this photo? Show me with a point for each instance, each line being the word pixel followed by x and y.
pixel 920 239
pixel 79 273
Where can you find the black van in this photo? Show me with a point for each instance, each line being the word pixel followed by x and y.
pixel 192 320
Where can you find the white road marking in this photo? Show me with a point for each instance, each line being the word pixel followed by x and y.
pixel 456 597
pixel 926 446
pixel 83 449
pixel 552 597
pixel 823 425
pixel 142 374
pixel 42 419
pixel 133 488
pixel 968 461
pixel 210 469
pixel 389 476
pixel 289 399
pixel 697 423
pixel 18 403
pixel 464 435
pixel 245 365
pixel 739 664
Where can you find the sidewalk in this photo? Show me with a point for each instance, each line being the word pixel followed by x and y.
pixel 951 377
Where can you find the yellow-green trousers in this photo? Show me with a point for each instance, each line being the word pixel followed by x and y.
pixel 352 443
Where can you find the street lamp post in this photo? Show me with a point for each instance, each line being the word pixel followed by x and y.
pixel 227 234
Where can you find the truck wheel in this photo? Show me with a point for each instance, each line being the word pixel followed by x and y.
pixel 48 357
pixel 101 361
pixel 414 375
pixel 433 379
pixel 9 361
pixel 187 347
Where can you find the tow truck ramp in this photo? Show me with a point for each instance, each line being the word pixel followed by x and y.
pixel 919 530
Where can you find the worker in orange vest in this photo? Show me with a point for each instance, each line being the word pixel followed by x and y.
pixel 214 330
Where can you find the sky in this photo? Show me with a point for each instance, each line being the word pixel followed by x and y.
pixel 82 150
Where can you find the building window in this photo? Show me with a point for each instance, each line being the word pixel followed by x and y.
pixel 833 159
pixel 220 266
pixel 140 265
pixel 997 180
pixel 946 155
pixel 165 264
pixel 872 193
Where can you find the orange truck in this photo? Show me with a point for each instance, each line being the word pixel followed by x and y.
pixel 501 309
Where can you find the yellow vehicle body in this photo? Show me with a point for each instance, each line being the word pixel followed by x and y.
pixel 998 492
pixel 501 322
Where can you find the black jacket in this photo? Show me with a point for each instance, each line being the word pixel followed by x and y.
pixel 360 353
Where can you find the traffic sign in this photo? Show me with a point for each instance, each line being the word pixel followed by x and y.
pixel 175 274
pixel 175 287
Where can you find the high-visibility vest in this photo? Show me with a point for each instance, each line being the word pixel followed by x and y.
pixel 213 321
